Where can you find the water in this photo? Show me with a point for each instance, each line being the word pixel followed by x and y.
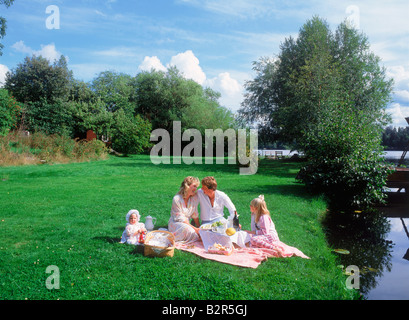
pixel 378 243
pixel 394 284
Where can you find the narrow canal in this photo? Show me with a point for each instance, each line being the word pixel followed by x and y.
pixel 378 244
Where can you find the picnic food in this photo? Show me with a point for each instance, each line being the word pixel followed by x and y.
pixel 217 224
pixel 220 249
pixel 206 226
pixel 230 231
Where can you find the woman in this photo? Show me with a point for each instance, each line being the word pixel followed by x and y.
pixel 184 208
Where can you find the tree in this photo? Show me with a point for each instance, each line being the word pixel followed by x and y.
pixel 130 134
pixel 9 112
pixel 48 117
pixel 164 97
pixel 345 158
pixel 160 96
pixel 3 23
pixel 289 92
pixel 37 80
pixel 114 89
pixel 327 93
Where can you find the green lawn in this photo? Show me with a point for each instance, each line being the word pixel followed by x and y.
pixel 72 216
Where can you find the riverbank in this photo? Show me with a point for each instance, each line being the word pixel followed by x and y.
pixel 72 216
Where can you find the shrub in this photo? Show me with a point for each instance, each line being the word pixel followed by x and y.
pixel 9 112
pixel 130 135
pixel 344 158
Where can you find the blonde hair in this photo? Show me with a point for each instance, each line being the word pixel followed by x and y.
pixel 210 183
pixel 186 183
pixel 260 205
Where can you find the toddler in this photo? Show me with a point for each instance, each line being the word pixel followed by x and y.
pixel 134 230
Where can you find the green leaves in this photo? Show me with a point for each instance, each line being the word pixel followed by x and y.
pixel 327 93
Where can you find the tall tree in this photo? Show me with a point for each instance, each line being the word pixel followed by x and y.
pixel 320 67
pixel 115 90
pixel 328 93
pixel 36 79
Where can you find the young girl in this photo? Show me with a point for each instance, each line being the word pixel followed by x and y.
pixel 265 234
pixel 133 229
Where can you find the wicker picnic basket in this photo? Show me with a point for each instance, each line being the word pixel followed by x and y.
pixel 158 251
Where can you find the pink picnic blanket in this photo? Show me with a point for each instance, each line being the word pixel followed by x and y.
pixel 243 257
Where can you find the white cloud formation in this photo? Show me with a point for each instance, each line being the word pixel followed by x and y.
pixel 3 70
pixel 230 89
pixel 402 95
pixel 150 63
pixel 48 51
pixel 398 112
pixel 188 64
pixel 399 109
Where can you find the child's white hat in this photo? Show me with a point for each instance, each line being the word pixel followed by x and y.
pixel 133 211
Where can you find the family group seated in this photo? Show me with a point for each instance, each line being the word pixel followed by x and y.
pixel 184 222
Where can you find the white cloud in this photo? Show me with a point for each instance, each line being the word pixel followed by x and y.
pixel 402 95
pixel 231 90
pixel 150 63
pixel 400 74
pixel 3 70
pixel 47 51
pixel 188 64
pixel 398 112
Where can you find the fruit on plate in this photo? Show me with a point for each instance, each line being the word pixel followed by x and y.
pixel 230 231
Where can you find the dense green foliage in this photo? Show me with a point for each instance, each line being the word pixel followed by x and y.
pixel 345 161
pixel 327 94
pixel 114 105
pixel 72 216
pixel 36 79
pixel 9 112
pixel 312 73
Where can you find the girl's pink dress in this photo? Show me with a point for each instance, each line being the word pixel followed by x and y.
pixel 266 237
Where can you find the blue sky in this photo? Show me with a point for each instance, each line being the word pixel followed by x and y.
pixel 213 42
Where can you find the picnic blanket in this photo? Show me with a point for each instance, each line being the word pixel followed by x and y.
pixel 247 257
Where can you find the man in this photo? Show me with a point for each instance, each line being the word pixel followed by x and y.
pixel 212 201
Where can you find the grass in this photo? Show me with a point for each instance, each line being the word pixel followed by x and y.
pixel 72 216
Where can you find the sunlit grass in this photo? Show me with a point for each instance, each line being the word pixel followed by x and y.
pixel 72 216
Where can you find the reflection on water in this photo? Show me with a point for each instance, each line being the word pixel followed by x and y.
pixel 378 243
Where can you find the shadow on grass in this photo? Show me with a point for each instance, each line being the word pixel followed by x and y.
pixel 108 239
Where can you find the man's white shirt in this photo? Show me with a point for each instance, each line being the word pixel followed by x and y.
pixel 209 212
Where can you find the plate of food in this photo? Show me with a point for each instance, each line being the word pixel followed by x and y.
pixel 207 226
pixel 217 248
pixel 219 227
